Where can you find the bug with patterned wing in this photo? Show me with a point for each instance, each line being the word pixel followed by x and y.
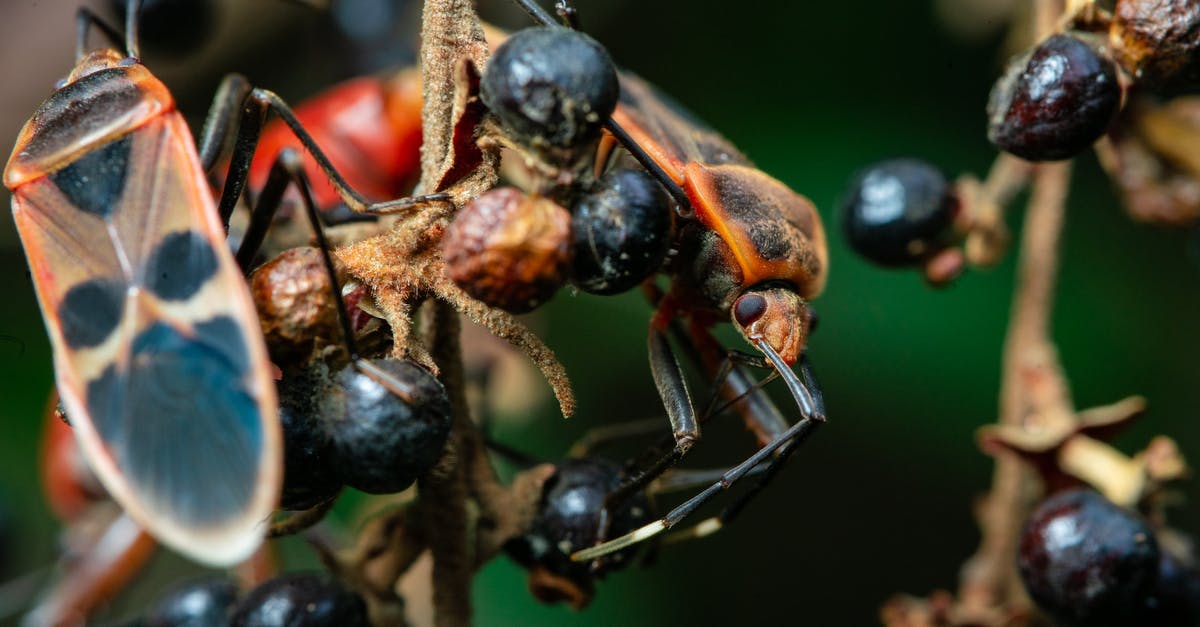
pixel 157 349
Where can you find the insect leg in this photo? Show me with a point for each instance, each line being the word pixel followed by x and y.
pixel 113 555
pixel 685 428
pixel 797 433
pixel 601 436
pixel 217 135
pixel 812 408
pixel 254 112
pixel 85 20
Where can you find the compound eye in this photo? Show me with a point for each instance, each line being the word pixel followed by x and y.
pixel 748 309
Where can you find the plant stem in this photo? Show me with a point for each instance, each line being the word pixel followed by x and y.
pixel 1032 387
pixel 445 488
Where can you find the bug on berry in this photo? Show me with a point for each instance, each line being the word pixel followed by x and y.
pixel 751 251
pixel 158 354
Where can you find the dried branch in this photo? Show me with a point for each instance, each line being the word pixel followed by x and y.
pixel 1032 388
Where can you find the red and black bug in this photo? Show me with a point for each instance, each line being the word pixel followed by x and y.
pixel 751 251
pixel 158 353
pixel 150 320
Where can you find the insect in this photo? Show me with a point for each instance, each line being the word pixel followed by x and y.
pixel 155 338
pixel 751 251
pixel 369 127
pixel 158 354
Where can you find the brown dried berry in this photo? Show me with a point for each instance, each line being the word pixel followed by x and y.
pixel 1055 101
pixel 509 250
pixel 1158 41
pixel 295 308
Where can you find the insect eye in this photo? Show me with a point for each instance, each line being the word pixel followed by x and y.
pixel 748 309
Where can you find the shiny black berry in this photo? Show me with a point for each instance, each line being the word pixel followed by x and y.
pixel 386 436
pixel 1055 101
pixel 308 474
pixel 1086 561
pixel 201 603
pixel 551 87
pixel 1175 601
pixel 899 212
pixel 568 521
pixel 621 230
pixel 301 600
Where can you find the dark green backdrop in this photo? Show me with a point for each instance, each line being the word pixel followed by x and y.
pixel 879 501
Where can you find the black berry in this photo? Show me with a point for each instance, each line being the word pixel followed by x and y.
pixel 899 212
pixel 568 521
pixel 383 441
pixel 621 230
pixel 551 87
pixel 308 474
pixel 301 600
pixel 201 603
pixel 1086 561
pixel 1055 101
pixel 1175 601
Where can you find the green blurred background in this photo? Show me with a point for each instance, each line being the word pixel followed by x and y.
pixel 879 501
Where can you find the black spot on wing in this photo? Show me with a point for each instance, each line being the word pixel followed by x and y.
pixel 90 311
pixel 182 427
pixel 180 265
pixel 94 182
pixel 224 335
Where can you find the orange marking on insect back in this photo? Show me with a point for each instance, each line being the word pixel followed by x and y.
pixel 772 232
pixel 671 164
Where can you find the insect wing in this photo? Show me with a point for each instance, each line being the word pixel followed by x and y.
pixel 157 350
pixel 669 133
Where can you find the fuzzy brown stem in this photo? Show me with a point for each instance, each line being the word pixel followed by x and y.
pixel 1032 387
pixel 445 488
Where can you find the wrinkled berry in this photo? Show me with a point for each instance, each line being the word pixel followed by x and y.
pixel 509 250
pixel 1158 41
pixel 899 212
pixel 301 600
pixel 621 230
pixel 384 439
pixel 1055 101
pixel 568 521
pixel 551 86
pixel 202 603
pixel 1086 561
pixel 295 306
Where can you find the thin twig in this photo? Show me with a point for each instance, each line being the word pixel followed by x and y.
pixel 445 489
pixel 1032 383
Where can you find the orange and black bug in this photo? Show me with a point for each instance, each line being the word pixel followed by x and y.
pixel 751 251
pixel 157 352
